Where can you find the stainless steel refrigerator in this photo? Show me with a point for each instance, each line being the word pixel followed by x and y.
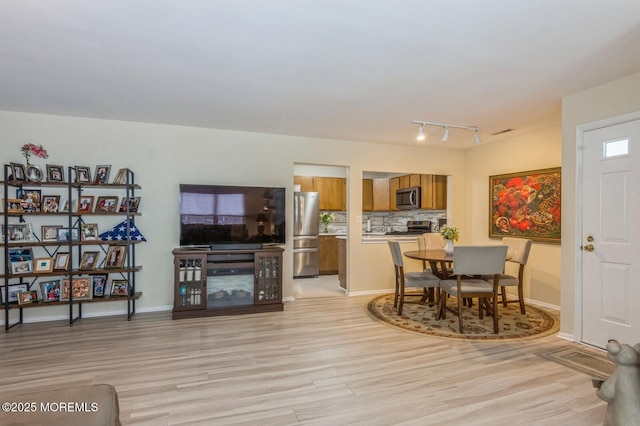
pixel 306 228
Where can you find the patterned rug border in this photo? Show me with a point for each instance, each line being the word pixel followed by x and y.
pixel 587 361
pixel 551 325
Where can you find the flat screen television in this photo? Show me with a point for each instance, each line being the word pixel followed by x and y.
pixel 230 216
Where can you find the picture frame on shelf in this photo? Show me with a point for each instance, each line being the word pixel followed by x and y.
pixel 85 204
pixel 106 204
pixel 27 297
pixel 121 177
pixel 33 173
pixel 66 206
pixel 83 174
pixel 55 173
pixel 80 289
pixel 14 290
pixel 18 232
pixel 61 261
pixel 18 172
pixel 64 234
pixel 129 204
pixel 21 261
pixel 99 283
pixel 89 232
pixel 50 203
pixel 119 288
pixel 115 257
pixel 14 205
pixel 88 261
pixel 31 199
pixel 43 265
pixel 49 233
pixel 50 290
pixel 102 174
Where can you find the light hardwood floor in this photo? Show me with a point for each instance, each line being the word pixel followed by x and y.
pixel 320 362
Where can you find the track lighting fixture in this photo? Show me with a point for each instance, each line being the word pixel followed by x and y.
pixel 445 135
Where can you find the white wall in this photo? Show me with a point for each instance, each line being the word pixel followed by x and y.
pixel 165 156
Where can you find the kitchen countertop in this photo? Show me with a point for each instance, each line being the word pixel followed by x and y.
pixel 373 237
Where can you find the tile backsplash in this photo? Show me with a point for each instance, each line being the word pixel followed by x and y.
pixel 385 221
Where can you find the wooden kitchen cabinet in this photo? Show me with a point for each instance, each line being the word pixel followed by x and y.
pixel 394 185
pixel 305 182
pixel 332 192
pixel 381 195
pixel 328 255
pixel 434 192
pixel 367 195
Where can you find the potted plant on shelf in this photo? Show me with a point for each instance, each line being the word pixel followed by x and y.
pixel 450 234
pixel 327 217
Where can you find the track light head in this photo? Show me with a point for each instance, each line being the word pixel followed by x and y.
pixel 421 135
pixel 476 138
pixel 445 135
pixel 445 126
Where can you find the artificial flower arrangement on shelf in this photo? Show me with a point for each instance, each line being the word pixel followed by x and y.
pixel 327 217
pixel 450 234
pixel 29 149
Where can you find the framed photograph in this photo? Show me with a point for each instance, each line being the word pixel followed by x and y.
pixel 88 261
pixel 55 173
pixel 30 199
pixel 49 233
pixel 43 264
pixel 18 232
pixel 17 255
pixel 83 174
pixel 14 290
pixel 61 262
pixel 85 204
pixel 64 234
pixel 89 231
pixel 99 283
pixel 80 289
pixel 121 177
pixel 18 172
pixel 50 290
pixel 34 174
pixel 106 204
pixel 115 257
pixel 27 297
pixel 50 203
pixel 129 204
pixel 66 206
pixel 102 174
pixel 526 205
pixel 14 205
pixel 119 288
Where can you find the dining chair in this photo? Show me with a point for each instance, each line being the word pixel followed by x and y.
pixel 404 280
pixel 517 252
pixel 470 263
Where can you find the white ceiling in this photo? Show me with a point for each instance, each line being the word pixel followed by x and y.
pixel 339 69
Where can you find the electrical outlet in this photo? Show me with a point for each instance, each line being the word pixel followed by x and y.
pixel 358 219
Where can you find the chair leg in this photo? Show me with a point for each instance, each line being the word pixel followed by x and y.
pixel 401 300
pixel 503 291
pixel 495 312
pixel 442 305
pixel 460 313
pixel 521 296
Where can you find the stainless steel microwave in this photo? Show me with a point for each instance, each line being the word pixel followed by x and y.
pixel 408 198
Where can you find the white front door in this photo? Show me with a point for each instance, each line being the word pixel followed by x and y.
pixel 611 235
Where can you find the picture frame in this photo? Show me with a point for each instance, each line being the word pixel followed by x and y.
pixel 66 206
pixel 88 261
pixel 129 204
pixel 18 232
pixel 80 289
pixel 14 205
pixel 14 290
pixel 61 261
pixel 31 199
pixel 121 177
pixel 43 265
pixel 89 232
pixel 50 203
pixel 27 297
pixel 106 204
pixel 119 288
pixel 50 290
pixel 63 234
pixel 85 204
pixel 33 173
pixel 55 173
pixel 102 174
pixel 83 174
pixel 21 260
pixel 526 205
pixel 49 233
pixel 99 283
pixel 18 172
pixel 115 256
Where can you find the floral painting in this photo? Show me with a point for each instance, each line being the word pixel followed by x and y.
pixel 525 205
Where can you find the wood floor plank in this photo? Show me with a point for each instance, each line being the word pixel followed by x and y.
pixel 319 362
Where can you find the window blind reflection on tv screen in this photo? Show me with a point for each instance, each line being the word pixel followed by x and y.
pixel 211 214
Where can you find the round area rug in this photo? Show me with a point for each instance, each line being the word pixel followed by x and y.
pixel 421 318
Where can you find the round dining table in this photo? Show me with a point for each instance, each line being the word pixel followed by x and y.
pixel 437 259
